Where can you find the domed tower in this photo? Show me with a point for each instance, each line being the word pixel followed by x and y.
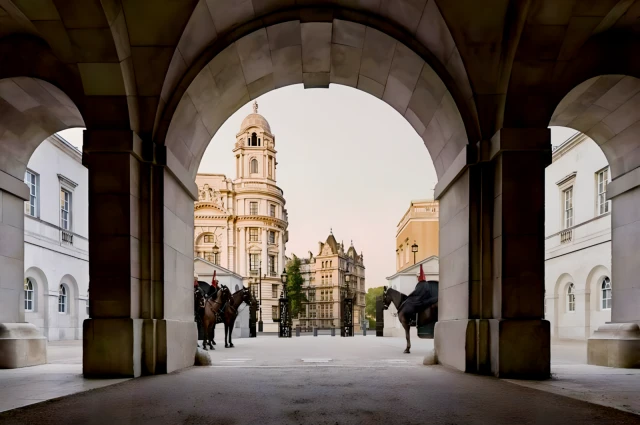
pixel 255 148
pixel 260 219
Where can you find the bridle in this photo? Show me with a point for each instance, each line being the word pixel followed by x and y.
pixel 385 303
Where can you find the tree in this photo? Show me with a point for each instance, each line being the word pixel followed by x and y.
pixel 370 301
pixel 294 286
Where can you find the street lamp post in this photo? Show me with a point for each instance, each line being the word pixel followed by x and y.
pixel 259 281
pixel 414 249
pixel 347 309
pixel 285 311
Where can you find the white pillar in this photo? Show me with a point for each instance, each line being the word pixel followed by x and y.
pixel 242 252
pixel 281 251
pixel 265 263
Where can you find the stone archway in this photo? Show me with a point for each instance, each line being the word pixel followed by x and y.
pixel 317 54
pixel 606 109
pixel 32 110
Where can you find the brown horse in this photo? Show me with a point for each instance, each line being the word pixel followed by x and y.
pixel 212 311
pixel 426 308
pixel 231 312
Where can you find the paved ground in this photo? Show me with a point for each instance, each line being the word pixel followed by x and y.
pixel 61 377
pixel 333 380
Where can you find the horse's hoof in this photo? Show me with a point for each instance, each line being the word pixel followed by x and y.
pixel 231 345
pixel 214 343
pixel 226 346
pixel 407 351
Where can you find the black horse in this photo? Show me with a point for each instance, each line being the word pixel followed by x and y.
pixel 422 302
pixel 230 312
pixel 202 291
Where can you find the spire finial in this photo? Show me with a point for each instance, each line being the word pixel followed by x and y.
pixel 255 106
pixel 331 230
pixel 351 242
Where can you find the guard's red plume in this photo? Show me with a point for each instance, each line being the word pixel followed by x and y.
pixel 421 277
pixel 214 282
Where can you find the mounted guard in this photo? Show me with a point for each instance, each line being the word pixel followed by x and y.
pixel 420 308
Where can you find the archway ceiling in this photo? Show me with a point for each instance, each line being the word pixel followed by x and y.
pixel 510 61
pixel 316 54
pixel 607 109
pixel 30 111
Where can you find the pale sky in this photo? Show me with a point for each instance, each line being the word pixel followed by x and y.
pixel 346 161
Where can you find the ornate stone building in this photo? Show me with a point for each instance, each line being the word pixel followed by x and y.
pixel 418 226
pixel 325 285
pixel 241 224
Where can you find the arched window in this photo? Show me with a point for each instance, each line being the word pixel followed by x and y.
pixel 254 139
pixel 248 141
pixel 606 293
pixel 254 165
pixel 571 298
pixel 62 299
pixel 259 142
pixel 28 295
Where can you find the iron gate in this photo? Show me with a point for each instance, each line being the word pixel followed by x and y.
pixel 253 318
pixel 347 317
pixel 379 317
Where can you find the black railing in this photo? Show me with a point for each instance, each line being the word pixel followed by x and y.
pixel 566 236
pixel 67 237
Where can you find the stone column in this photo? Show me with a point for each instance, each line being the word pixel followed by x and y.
pixel 519 337
pixel 264 254
pixel 141 267
pixel 21 344
pixel 492 257
pixel 282 264
pixel 617 344
pixel 242 253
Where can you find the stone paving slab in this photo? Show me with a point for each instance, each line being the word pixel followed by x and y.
pixel 609 387
pixel 606 386
pixel 29 385
pixel 408 394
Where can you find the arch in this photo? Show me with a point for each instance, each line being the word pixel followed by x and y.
pixel 571 297
pixel 32 110
pixel 605 108
pixel 595 315
pixel 560 302
pixel 605 293
pixel 41 289
pixel 594 279
pixel 72 286
pixel 254 166
pixel 63 299
pixel 339 52
pixel 254 139
pixel 204 238
pixel 29 295
pixel 424 31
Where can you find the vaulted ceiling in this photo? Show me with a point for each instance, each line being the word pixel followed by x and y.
pixel 127 63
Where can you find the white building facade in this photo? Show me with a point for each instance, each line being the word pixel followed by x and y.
pixel 577 240
pixel 56 245
pixel 241 224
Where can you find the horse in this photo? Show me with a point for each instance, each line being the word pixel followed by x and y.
pixel 423 302
pixel 231 313
pixel 212 312
pixel 198 305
